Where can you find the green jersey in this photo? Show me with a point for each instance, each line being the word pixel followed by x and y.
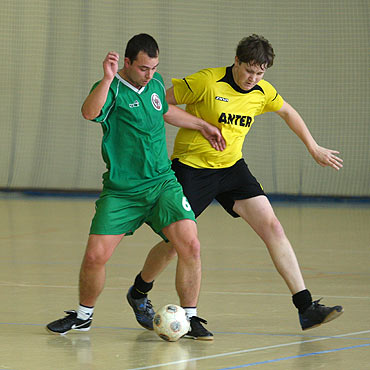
pixel 134 142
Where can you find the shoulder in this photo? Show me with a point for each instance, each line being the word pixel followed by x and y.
pixel 267 87
pixel 158 79
pixel 115 86
pixel 273 101
pixel 211 73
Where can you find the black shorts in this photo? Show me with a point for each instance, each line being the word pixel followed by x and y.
pixel 202 185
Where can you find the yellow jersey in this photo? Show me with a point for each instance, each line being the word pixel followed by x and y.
pixel 213 95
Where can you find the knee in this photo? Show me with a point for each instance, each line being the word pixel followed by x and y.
pixel 95 257
pixel 275 229
pixel 190 249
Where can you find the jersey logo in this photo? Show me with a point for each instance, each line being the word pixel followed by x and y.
pixel 157 104
pixel 235 119
pixel 135 104
pixel 221 99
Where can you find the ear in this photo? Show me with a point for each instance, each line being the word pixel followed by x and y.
pixel 127 62
pixel 237 61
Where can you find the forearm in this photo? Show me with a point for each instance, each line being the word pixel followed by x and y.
pixel 323 156
pixel 178 117
pixel 94 102
pixel 298 126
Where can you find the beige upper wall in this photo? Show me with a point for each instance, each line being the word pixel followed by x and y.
pixel 52 53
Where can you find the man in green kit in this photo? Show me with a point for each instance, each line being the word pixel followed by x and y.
pixel 139 185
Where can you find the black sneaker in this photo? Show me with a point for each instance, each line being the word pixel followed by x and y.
pixel 70 322
pixel 143 310
pixel 197 330
pixel 318 314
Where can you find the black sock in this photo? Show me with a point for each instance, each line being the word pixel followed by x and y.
pixel 302 300
pixel 141 287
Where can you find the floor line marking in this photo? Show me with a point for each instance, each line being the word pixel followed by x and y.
pixel 292 357
pixel 25 285
pixel 277 294
pixel 216 332
pixel 248 350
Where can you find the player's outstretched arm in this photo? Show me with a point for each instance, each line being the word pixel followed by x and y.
pixel 179 118
pixel 323 156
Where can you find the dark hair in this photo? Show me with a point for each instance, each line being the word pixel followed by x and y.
pixel 255 49
pixel 141 42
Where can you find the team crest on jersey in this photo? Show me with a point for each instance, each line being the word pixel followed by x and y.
pixel 157 104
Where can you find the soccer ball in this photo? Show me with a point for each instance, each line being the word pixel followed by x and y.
pixel 171 323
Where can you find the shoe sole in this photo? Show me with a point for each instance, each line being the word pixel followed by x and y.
pixel 199 338
pixel 144 326
pixel 333 315
pixel 57 333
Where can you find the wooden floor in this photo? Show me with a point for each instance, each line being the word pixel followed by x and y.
pixel 246 303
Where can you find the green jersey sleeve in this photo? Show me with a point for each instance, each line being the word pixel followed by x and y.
pixel 109 103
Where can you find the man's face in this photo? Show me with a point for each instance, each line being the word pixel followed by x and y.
pixel 247 75
pixel 141 70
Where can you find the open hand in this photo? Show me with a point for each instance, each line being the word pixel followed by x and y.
pixel 214 136
pixel 327 157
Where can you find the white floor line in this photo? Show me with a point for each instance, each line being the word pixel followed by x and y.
pixel 26 285
pixel 280 294
pixel 249 350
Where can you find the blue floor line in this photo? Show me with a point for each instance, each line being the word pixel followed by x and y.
pixel 293 357
pixel 274 197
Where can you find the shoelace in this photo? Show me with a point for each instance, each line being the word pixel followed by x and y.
pixel 69 313
pixel 199 319
pixel 148 305
pixel 316 303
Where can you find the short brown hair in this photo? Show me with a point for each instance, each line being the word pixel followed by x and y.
pixel 255 49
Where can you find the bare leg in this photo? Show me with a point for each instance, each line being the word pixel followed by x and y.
pixel 183 235
pixel 260 216
pixel 157 260
pixel 92 274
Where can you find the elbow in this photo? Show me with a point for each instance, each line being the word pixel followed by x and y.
pixel 87 115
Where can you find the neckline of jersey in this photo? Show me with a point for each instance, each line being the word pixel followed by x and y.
pixel 229 79
pixel 126 83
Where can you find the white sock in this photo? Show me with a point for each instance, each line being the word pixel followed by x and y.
pixel 84 312
pixel 190 311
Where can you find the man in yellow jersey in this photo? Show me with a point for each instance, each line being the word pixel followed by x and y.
pixel 230 98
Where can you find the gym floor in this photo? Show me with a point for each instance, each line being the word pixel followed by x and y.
pixel 246 303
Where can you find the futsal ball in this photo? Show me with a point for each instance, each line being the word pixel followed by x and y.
pixel 171 323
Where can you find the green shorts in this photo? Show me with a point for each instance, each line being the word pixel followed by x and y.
pixel 122 213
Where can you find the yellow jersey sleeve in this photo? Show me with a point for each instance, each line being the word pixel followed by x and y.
pixel 274 101
pixel 190 90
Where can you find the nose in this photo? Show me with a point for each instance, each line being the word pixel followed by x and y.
pixel 149 74
pixel 252 78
